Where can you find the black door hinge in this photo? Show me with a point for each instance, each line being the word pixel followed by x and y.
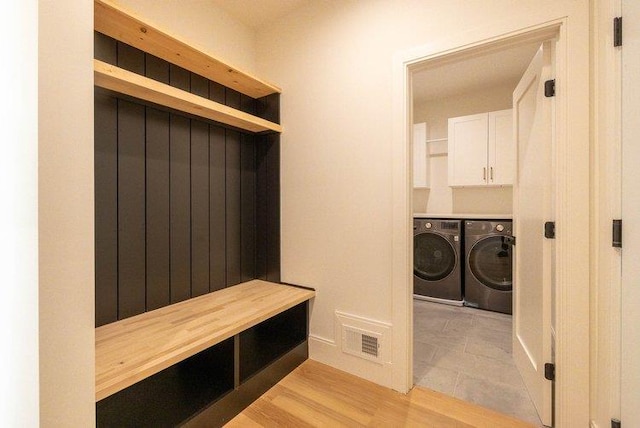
pixel 615 423
pixel 550 88
pixel 617 31
pixel 550 230
pixel 616 235
pixel 550 371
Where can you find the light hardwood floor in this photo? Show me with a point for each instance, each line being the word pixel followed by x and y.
pixel 316 395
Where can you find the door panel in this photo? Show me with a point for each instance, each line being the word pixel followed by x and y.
pixel 468 150
pixel 630 375
pixel 501 147
pixel 532 207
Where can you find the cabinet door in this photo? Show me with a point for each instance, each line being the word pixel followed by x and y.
pixel 468 150
pixel 501 149
pixel 420 156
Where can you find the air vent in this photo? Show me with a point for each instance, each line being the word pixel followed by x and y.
pixel 364 344
pixel 450 225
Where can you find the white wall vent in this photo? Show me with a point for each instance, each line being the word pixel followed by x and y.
pixel 361 343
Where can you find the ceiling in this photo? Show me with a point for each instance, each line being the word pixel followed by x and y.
pixel 455 78
pixel 255 13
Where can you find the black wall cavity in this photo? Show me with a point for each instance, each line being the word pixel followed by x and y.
pixel 183 206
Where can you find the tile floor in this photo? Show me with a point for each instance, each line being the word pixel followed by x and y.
pixel 466 353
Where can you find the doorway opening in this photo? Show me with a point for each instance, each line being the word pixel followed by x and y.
pixel 464 163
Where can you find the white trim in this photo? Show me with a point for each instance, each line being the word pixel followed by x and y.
pixel 572 327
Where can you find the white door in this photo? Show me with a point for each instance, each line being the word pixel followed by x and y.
pixel 532 194
pixel 468 150
pixel 630 375
pixel 501 148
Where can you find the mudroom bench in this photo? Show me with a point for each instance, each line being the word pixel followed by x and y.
pixel 201 361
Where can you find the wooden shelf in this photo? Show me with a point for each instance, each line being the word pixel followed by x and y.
pixel 125 26
pixel 135 348
pixel 117 79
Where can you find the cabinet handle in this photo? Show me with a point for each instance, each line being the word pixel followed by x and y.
pixel 491 173
pixel 484 173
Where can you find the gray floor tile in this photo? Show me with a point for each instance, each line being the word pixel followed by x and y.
pixel 493 323
pixel 454 360
pixel 436 378
pixel 442 340
pixel 494 395
pixel 499 349
pixel 471 357
pixel 423 351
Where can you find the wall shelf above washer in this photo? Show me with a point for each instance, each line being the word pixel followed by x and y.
pixel 122 25
pixel 123 81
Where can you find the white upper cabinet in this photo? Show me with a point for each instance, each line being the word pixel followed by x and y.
pixel 481 151
pixel 420 156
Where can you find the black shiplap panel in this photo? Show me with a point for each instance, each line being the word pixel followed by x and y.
pixel 180 78
pixel 106 207
pixel 261 208
pixel 217 208
pixel 130 58
pixel 180 200
pixel 233 98
pixel 199 85
pixel 248 207
pixel 268 207
pixel 157 200
pixel 131 209
pixel 216 92
pixel 269 108
pixel 199 208
pixel 105 48
pixel 273 192
pixel 247 104
pixel 156 68
pixel 233 204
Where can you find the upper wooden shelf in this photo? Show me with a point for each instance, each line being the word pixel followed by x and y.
pixel 117 79
pixel 135 348
pixel 125 26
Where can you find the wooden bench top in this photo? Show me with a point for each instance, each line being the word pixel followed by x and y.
pixel 135 348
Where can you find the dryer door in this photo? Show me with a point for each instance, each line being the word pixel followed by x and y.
pixel 490 262
pixel 434 257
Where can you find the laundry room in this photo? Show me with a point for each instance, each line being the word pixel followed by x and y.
pixel 464 157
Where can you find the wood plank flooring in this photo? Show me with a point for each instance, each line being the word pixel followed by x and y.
pixel 316 395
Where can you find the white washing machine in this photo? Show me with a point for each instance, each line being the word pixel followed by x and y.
pixel 488 265
pixel 437 273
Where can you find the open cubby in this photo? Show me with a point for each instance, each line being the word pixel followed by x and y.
pixel 173 395
pixel 269 340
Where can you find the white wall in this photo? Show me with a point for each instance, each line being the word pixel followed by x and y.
pixel 65 156
pixel 203 25
pixel 334 62
pixel 19 216
pixel 440 198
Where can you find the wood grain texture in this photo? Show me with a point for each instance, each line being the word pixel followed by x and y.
pixel 125 26
pixel 117 79
pixel 135 348
pixel 316 395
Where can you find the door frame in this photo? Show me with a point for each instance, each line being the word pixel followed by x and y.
pixel 572 199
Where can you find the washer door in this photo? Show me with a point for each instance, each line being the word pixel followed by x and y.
pixel 490 262
pixel 433 257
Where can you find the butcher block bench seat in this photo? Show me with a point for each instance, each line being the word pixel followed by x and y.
pixel 136 348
